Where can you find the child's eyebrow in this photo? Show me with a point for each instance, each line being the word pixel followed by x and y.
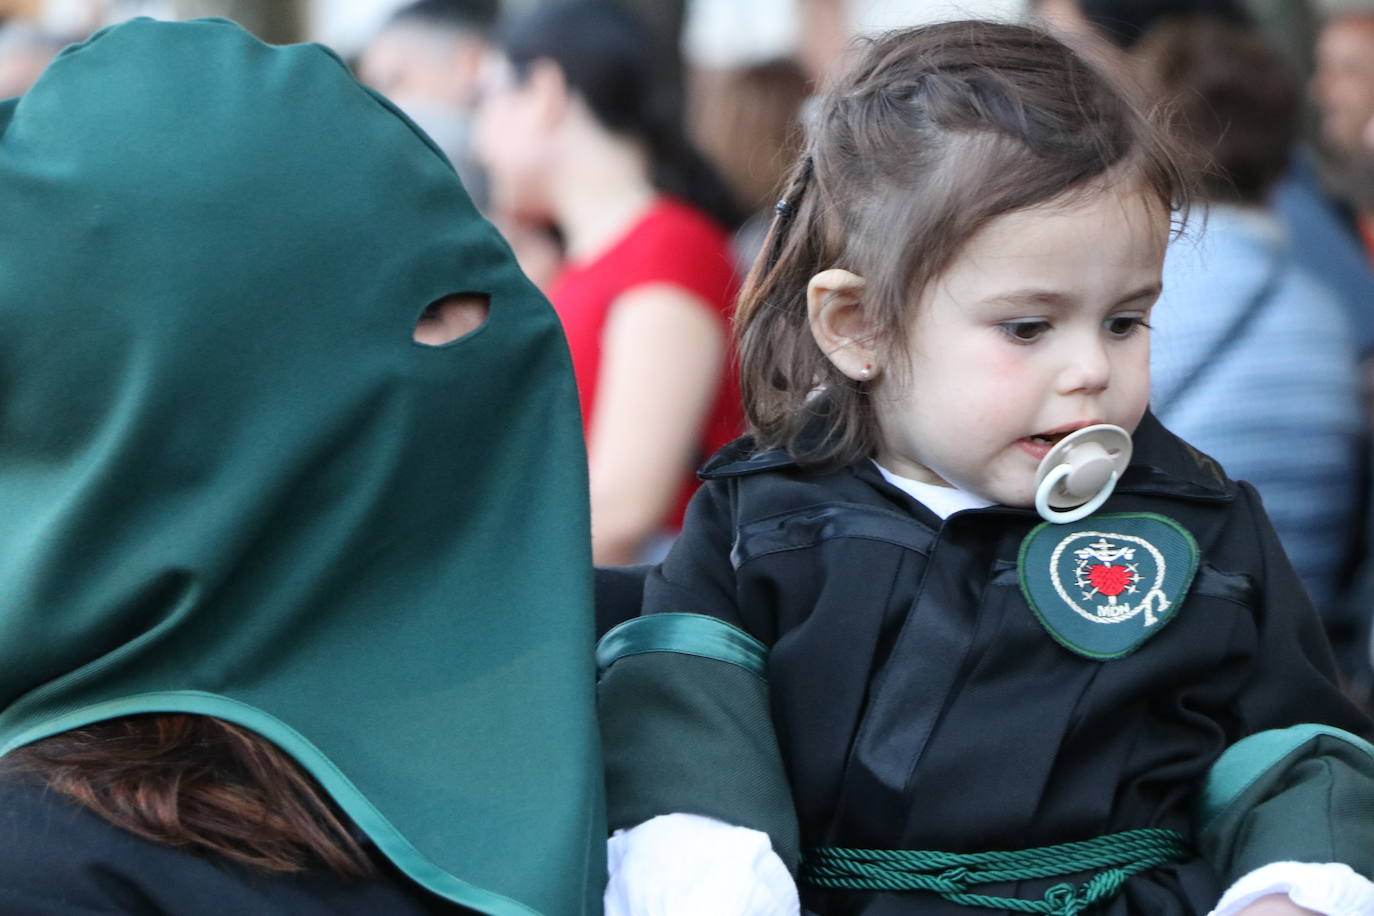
pixel 1152 291
pixel 1043 298
pixel 1055 300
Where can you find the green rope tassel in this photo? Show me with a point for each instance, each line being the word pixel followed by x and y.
pixel 1115 857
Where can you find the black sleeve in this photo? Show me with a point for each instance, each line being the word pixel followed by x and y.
pixel 1299 786
pixel 686 726
pixel 619 595
pixel 697 576
pixel 1294 679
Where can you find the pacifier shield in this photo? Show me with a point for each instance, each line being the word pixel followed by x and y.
pixel 1092 453
pixel 1103 585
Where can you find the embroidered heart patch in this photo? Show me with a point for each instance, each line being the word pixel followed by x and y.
pixel 1111 580
pixel 1103 585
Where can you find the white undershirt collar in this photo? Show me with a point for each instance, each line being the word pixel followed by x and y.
pixel 943 501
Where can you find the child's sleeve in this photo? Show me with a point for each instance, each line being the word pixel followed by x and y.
pixel 1299 787
pixel 683 695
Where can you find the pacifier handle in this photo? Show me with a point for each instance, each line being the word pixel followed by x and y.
pixel 1058 517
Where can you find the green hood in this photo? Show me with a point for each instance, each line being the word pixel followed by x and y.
pixel 232 484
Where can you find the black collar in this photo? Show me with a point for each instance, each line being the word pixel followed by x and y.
pixel 1161 465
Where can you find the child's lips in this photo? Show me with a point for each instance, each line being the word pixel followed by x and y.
pixel 1039 445
pixel 1049 440
pixel 1035 447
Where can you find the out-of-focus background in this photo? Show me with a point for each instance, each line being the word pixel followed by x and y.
pixel 631 153
pixel 348 24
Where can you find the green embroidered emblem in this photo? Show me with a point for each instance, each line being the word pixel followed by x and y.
pixel 1104 585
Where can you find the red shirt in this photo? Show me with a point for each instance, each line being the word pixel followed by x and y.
pixel 671 243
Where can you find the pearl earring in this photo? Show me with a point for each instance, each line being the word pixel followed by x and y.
pixel 865 372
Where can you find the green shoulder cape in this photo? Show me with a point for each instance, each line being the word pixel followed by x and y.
pixel 232 484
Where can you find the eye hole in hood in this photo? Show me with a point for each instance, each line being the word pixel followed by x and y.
pixel 452 318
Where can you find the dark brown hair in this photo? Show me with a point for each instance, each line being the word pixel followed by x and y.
pixel 629 82
pixel 1231 99
pixel 200 784
pixel 935 132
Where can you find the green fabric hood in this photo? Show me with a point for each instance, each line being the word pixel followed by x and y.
pixel 232 484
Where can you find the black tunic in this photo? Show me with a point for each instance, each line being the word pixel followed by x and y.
pixel 919 704
pixel 58 859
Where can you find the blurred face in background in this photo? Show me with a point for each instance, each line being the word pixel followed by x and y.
pixel 1064 20
pixel 823 37
pixel 24 54
pixel 1344 82
pixel 515 138
pixel 19 70
pixel 410 61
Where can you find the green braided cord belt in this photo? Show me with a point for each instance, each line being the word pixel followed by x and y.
pixel 1115 857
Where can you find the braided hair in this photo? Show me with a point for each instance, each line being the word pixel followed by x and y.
pixel 935 132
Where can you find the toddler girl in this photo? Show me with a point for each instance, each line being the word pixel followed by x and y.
pixel 869 653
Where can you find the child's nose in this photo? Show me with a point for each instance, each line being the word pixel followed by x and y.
pixel 1086 367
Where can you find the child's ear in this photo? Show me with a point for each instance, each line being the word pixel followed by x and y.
pixel 834 305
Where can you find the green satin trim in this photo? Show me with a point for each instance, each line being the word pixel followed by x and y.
pixel 685 634
pixel 341 789
pixel 1250 758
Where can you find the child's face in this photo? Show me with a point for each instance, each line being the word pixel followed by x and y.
pixel 1034 331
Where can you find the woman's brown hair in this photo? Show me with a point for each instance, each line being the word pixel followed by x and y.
pixel 1232 101
pixel 932 134
pixel 200 784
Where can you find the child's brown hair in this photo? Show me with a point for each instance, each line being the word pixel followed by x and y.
pixel 935 132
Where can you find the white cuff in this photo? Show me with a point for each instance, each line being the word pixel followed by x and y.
pixel 1328 888
pixel 687 865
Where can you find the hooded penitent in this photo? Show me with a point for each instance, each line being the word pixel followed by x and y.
pixel 232 484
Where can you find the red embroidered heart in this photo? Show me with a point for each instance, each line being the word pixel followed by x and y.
pixel 1110 580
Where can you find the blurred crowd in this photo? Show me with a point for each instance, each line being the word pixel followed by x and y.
pixel 631 154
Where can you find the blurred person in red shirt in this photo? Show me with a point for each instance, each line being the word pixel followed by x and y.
pixel 580 127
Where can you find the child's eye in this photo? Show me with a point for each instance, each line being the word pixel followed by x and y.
pixel 1025 331
pixel 1124 325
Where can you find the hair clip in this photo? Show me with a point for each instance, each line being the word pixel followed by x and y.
pixel 783 209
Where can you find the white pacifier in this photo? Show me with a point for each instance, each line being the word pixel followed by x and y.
pixel 1081 471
